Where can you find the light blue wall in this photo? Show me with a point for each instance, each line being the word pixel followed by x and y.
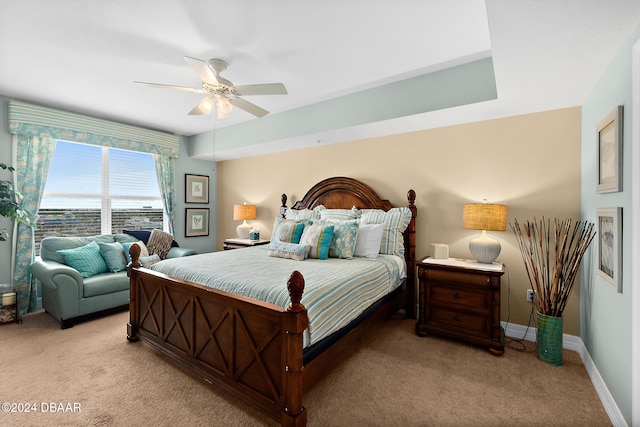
pixel 183 165
pixel 605 314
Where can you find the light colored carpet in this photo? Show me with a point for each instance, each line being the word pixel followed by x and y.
pixel 398 379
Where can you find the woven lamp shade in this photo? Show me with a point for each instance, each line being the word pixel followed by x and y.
pixel 484 216
pixel 244 212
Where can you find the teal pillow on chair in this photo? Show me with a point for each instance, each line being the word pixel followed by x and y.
pixel 113 254
pixel 86 259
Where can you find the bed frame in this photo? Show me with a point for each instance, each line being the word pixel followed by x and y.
pixel 249 348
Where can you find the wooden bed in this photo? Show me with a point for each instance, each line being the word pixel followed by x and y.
pixel 251 349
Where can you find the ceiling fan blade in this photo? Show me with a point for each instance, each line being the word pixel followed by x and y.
pixel 261 89
pixel 204 106
pixel 248 107
pixel 202 69
pixel 161 86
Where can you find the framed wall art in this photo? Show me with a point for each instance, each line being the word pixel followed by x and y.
pixel 197 222
pixel 610 152
pixel 196 189
pixel 609 228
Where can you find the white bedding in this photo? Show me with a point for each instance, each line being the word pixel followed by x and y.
pixel 336 290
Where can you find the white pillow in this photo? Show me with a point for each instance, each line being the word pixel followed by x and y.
pixel 369 238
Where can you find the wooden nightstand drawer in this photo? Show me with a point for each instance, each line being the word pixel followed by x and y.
pixel 458 296
pixel 463 321
pixel 457 277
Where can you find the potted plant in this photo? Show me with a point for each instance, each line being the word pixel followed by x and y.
pixel 10 200
pixel 552 259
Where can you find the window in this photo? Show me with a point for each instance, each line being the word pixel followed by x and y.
pixel 98 190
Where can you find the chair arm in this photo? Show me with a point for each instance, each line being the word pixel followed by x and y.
pixel 177 252
pixel 59 278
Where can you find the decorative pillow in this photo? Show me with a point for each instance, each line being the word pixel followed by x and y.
pixel 86 259
pixel 144 235
pixel 148 261
pixel 339 214
pixel 113 254
pixel 292 251
pixel 368 242
pixel 343 242
pixel 286 231
pixel 159 243
pixel 396 221
pixel 301 214
pixel 144 252
pixel 318 238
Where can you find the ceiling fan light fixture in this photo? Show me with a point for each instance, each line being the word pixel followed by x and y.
pixel 224 107
pixel 207 105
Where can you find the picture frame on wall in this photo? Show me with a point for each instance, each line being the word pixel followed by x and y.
pixel 196 222
pixel 609 228
pixel 196 189
pixel 610 152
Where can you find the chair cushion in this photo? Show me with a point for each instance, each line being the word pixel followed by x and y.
pixel 106 283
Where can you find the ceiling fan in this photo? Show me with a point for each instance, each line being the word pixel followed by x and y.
pixel 221 91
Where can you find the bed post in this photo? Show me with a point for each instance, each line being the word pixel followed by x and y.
pixel 283 207
pixel 132 326
pixel 294 413
pixel 410 255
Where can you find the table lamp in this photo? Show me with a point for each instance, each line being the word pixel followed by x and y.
pixel 243 213
pixel 486 217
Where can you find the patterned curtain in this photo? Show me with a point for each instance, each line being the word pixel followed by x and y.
pixel 33 157
pixel 36 128
pixel 165 172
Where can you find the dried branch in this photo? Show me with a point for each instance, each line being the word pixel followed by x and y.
pixel 552 269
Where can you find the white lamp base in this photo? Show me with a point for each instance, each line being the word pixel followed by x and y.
pixel 243 230
pixel 485 249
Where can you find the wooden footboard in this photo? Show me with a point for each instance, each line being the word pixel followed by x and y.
pixel 251 349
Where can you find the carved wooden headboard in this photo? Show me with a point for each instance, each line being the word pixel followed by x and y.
pixel 344 193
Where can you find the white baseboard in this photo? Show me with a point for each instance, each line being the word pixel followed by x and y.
pixel 572 342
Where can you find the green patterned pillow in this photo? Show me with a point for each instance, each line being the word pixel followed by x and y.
pixel 292 251
pixel 86 259
pixel 343 242
pixel 318 238
pixel 396 221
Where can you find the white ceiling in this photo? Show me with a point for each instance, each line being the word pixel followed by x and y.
pixel 84 56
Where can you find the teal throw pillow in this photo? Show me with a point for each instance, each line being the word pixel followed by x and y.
pixel 113 254
pixel 86 259
pixel 318 238
pixel 286 231
pixel 343 242
pixel 144 252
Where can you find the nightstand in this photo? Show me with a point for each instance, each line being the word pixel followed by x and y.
pixel 242 243
pixel 460 299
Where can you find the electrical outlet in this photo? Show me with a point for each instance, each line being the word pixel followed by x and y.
pixel 530 295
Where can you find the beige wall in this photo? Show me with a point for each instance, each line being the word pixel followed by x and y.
pixel 531 163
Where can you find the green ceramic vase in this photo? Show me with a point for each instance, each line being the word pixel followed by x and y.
pixel 550 339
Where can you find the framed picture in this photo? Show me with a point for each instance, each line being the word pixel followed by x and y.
pixel 610 152
pixel 609 229
pixel 197 222
pixel 196 189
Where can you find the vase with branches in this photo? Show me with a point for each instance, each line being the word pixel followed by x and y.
pixel 552 257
